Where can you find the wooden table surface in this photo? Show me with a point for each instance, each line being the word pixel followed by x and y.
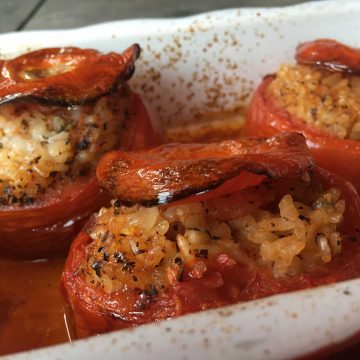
pixel 18 15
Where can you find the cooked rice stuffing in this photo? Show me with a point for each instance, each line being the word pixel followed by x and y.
pixel 41 145
pixel 147 248
pixel 329 101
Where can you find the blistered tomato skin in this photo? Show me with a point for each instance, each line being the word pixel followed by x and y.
pixel 330 55
pixel 340 156
pixel 65 76
pixel 172 172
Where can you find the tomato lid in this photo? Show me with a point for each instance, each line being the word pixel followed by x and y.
pixel 65 76
pixel 175 171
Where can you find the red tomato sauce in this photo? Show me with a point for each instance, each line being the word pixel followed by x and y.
pixel 31 306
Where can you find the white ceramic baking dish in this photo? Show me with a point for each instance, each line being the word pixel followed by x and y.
pixel 212 62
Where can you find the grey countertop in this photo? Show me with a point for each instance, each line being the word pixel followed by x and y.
pixel 16 15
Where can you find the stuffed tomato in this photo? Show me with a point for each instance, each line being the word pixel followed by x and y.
pixel 319 97
pixel 60 110
pixel 198 226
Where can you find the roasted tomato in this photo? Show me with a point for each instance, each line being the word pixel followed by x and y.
pixel 320 98
pixel 65 76
pixel 329 54
pixel 61 109
pixel 172 171
pixel 278 224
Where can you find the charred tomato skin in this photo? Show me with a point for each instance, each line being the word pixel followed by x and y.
pixel 80 76
pixel 175 171
pixel 339 156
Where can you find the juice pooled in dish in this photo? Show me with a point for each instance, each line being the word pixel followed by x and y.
pixel 320 97
pixel 60 110
pixel 198 226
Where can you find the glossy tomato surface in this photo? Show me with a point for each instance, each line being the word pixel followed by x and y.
pixel 65 76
